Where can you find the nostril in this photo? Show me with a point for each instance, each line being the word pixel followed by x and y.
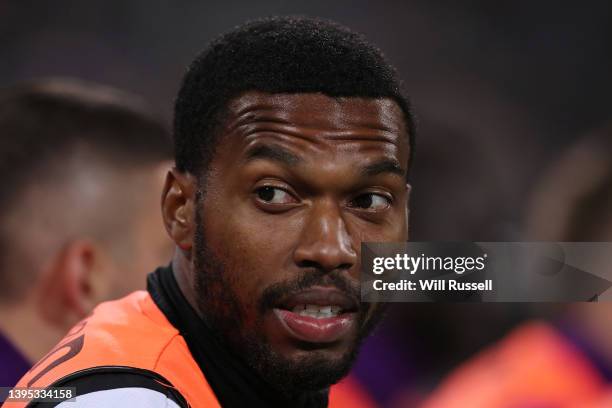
pixel 309 264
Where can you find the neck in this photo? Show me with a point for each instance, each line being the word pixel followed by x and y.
pixel 183 274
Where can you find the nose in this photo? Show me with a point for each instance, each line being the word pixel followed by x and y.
pixel 325 242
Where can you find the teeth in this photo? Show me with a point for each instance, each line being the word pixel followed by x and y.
pixel 325 309
pixel 316 311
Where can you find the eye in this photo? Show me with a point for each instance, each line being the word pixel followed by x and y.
pixel 371 201
pixel 274 195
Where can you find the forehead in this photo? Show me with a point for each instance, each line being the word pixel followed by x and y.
pixel 316 121
pixel 316 109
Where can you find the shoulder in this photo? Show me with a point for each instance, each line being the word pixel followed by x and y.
pixel 119 387
pixel 129 332
pixel 533 363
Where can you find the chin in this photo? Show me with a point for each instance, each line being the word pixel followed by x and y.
pixel 317 370
pixel 309 368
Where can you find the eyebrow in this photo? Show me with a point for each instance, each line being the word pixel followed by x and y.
pixel 284 156
pixel 383 166
pixel 272 152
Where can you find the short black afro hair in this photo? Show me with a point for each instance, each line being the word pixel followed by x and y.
pixel 276 55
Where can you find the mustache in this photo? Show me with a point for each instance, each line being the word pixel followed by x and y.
pixel 337 279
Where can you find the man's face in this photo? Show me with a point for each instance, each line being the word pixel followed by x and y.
pixel 297 183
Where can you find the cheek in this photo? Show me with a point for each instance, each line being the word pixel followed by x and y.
pixel 394 229
pixel 255 247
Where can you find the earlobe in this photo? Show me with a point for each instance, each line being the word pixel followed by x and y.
pixel 408 191
pixel 178 204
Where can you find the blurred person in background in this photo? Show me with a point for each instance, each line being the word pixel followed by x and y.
pixel 82 168
pixel 565 362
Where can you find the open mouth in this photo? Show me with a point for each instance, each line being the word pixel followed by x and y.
pixel 317 312
pixel 318 315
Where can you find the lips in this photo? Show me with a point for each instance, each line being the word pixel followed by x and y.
pixel 317 315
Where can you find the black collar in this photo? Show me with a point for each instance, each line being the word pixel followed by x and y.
pixel 234 384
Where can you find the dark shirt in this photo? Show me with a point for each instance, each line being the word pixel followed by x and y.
pixel 13 365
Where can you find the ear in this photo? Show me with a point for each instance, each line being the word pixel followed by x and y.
pixel 71 286
pixel 178 206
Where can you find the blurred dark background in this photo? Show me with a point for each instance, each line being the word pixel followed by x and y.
pixel 500 88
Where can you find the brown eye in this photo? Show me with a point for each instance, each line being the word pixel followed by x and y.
pixel 274 195
pixel 371 201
